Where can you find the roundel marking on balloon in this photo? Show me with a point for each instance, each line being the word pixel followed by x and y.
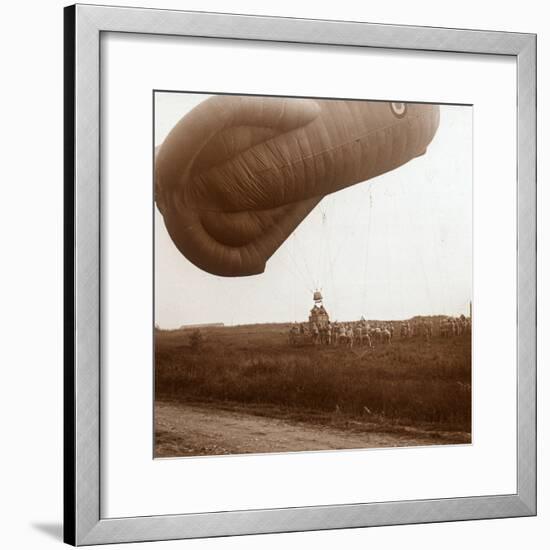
pixel 399 109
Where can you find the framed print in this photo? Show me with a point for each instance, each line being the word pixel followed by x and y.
pixel 299 275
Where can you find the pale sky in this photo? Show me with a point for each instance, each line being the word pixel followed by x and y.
pixel 392 247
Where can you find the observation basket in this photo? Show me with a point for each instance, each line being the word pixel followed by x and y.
pixel 318 316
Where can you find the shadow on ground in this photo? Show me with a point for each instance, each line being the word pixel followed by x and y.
pixel 54 530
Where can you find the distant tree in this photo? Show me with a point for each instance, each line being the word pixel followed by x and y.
pixel 196 340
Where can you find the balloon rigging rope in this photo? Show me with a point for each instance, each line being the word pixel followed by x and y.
pixel 293 299
pixel 419 254
pixel 295 268
pixel 321 258
pixel 326 244
pixel 334 289
pixel 308 277
pixel 441 270
pixel 347 238
pixel 303 256
pixel 389 279
pixel 366 264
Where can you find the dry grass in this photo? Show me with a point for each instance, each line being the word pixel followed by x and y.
pixel 408 382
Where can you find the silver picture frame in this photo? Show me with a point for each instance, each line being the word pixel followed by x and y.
pixel 83 524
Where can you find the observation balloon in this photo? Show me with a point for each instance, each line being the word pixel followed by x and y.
pixel 237 175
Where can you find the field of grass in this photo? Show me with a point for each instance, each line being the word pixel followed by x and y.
pixel 409 382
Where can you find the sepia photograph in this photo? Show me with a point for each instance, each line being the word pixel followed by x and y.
pixel 312 274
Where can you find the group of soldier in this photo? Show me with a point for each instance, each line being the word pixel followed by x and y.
pixel 363 333
pixel 350 334
pixel 455 326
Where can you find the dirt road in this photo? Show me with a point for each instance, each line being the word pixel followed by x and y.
pixel 197 429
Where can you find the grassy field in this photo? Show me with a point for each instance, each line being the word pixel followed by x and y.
pixel 409 382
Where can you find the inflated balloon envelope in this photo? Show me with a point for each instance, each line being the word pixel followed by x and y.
pixel 237 175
